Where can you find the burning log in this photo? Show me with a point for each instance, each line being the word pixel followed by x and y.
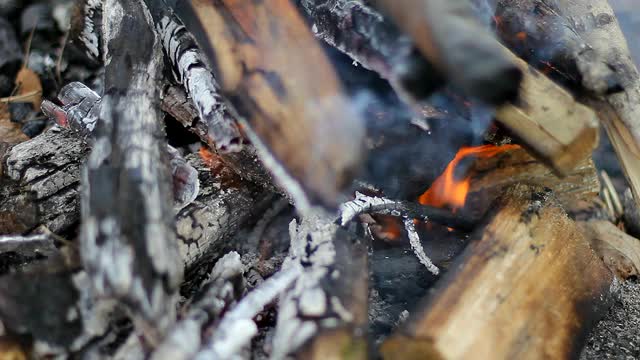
pixel 305 132
pixel 127 220
pixel 530 286
pixel 448 34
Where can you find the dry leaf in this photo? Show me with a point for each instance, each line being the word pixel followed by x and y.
pixel 29 85
pixel 10 133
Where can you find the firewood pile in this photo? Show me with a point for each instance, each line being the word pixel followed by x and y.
pixel 407 179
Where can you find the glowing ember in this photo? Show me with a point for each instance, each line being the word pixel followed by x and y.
pixel 447 190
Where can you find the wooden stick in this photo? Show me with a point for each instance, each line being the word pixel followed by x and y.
pixel 292 107
pixel 448 34
pixel 530 287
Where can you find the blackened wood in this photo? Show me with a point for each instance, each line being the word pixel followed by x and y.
pixel 450 36
pixel 536 31
pixel 127 219
pixel 280 82
pixel 361 32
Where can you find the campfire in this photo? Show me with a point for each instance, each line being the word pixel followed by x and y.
pixel 317 179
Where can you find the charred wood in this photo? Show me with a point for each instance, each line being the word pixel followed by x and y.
pixel 448 34
pixel 40 183
pixel 377 205
pixel 244 163
pixel 528 251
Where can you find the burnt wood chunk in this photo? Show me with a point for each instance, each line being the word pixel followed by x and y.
pixel 292 107
pixel 529 287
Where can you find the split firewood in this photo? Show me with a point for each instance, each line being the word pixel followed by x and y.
pixel 127 220
pixel 619 251
pixel 549 121
pixel 324 314
pixel 305 132
pixel 490 176
pixel 529 287
pixel 448 34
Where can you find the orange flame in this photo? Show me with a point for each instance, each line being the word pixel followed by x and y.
pixel 446 190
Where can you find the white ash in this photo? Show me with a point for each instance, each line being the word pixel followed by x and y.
pixel 236 329
pixel 302 309
pixel 416 245
pixel 360 205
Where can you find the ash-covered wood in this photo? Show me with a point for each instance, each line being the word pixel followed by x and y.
pixel 530 287
pixel 86 28
pixel 452 38
pixel 224 287
pixel 305 132
pixel 190 67
pixel 127 222
pixel 328 301
pixel 361 32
